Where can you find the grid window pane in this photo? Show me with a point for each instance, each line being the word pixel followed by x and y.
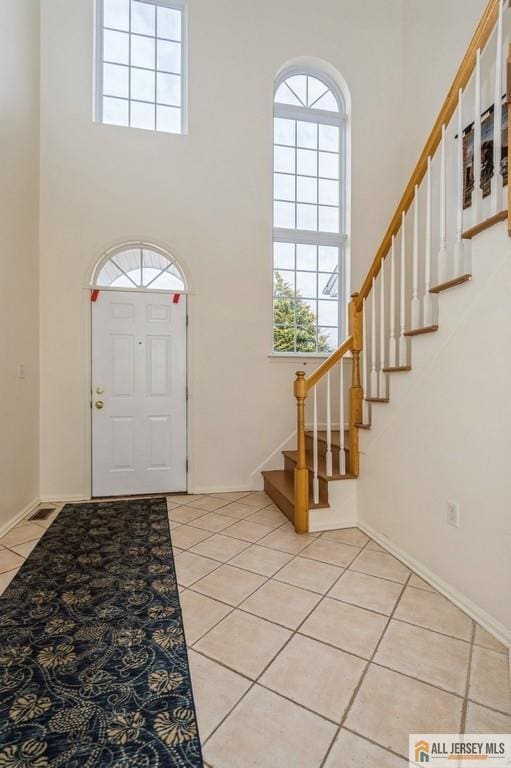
pixel 307 284
pixel 328 165
pixel 307 189
pixel 306 257
pixel 169 89
pixel 142 85
pixel 328 192
pixel 328 313
pixel 285 131
pixel 329 138
pixel 307 217
pixel 284 160
pixel 328 258
pixel 117 14
pixel 142 51
pixel 328 219
pixel 116 80
pixel 328 339
pixel 116 47
pixel 168 119
pixel 169 56
pixel 142 115
pixel 284 215
pixel 146 39
pixel 143 18
pixel 307 162
pixel 284 283
pixel 115 111
pixel 284 255
pixel 169 23
pixel 284 187
pixel 307 135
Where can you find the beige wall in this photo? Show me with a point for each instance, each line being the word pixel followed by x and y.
pixel 445 436
pixel 437 35
pixel 19 164
pixel 207 198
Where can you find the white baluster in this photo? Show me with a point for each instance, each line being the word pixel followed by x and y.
pixel 328 457
pixel 428 299
pixel 476 195
pixel 443 256
pixel 374 374
pixel 365 366
pixel 342 440
pixel 403 351
pixel 459 250
pixel 416 305
pixel 496 184
pixel 392 332
pixel 315 482
pixel 382 377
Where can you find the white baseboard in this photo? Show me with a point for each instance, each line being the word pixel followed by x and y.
pixel 6 527
pixel 473 610
pixel 220 489
pixel 63 499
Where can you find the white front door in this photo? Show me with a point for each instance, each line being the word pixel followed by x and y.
pixel 138 393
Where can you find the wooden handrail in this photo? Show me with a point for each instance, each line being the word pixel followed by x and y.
pixel 479 40
pixel 329 363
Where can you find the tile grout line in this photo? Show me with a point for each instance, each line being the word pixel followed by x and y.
pixel 364 674
pixel 467 685
pixel 273 657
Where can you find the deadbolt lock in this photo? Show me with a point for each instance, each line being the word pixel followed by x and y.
pixel 100 404
pixel 99 390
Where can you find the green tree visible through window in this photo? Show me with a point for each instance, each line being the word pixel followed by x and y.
pixel 289 305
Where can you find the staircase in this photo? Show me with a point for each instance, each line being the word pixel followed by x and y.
pixel 398 302
pixel 279 483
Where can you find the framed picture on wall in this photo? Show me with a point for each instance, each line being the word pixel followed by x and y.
pixel 486 154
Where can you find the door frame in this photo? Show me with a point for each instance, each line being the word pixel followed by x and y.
pixel 89 286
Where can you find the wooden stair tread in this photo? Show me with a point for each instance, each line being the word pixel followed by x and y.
pixel 377 400
pixel 422 331
pixel 293 455
pixel 398 369
pixel 284 483
pixel 451 283
pixel 363 426
pixel 486 224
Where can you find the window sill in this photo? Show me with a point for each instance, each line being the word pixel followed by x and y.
pixel 291 357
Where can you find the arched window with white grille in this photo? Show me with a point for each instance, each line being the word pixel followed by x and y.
pixel 309 214
pixel 141 267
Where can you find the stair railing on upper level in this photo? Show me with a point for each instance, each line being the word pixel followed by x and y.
pixel 455 191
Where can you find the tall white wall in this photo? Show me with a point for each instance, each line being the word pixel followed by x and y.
pixel 445 437
pixel 19 167
pixel 436 36
pixel 207 198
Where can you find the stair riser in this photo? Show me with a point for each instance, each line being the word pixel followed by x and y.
pixel 280 500
pixel 289 466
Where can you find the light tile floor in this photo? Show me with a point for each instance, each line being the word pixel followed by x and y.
pixel 317 651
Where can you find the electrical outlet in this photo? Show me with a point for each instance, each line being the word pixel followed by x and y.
pixel 453 513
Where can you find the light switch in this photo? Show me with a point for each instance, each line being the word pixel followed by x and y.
pixel 21 371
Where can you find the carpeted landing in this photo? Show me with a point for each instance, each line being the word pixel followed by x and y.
pixel 93 662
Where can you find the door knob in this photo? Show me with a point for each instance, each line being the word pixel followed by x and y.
pixel 100 404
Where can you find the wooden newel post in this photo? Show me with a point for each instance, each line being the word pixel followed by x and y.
pixel 356 391
pixel 301 471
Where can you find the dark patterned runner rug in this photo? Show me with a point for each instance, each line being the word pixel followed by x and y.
pixel 93 663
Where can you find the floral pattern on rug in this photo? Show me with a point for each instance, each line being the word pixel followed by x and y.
pixel 93 663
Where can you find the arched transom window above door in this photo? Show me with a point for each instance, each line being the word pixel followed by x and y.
pixel 309 214
pixel 139 267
